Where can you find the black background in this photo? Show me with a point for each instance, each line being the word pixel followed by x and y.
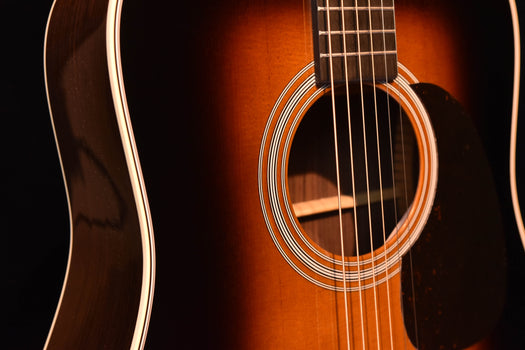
pixel 34 216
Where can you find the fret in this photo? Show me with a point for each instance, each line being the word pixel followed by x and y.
pixel 352 54
pixel 367 35
pixel 358 8
pixel 361 31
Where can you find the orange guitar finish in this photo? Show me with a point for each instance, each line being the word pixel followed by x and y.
pixel 221 282
pixel 247 53
pixel 238 59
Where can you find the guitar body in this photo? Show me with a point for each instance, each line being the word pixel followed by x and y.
pixel 202 84
pixel 236 60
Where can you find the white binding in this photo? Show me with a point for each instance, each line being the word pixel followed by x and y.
pixel 292 109
pixel 134 169
pixel 135 172
pixel 65 187
pixel 514 123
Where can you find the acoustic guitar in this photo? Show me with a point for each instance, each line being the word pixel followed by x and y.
pixel 314 170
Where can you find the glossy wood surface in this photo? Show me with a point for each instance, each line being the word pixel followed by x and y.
pixel 99 302
pixel 203 118
pixel 201 83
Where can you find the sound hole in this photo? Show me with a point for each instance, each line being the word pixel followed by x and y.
pixel 312 180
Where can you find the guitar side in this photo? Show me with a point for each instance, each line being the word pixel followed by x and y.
pixel 108 290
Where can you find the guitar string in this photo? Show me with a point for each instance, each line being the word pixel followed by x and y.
pixel 350 140
pixel 394 191
pixel 377 135
pixel 338 179
pixel 387 277
pixel 370 228
pixel 366 162
pixel 380 176
pixel 394 187
pixel 405 185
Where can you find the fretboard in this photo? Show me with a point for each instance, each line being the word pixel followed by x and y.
pixel 362 34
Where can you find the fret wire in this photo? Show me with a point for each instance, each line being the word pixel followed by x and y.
pixel 363 53
pixel 358 8
pixel 361 31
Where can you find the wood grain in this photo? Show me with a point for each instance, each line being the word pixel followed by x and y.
pixel 100 299
pixel 201 82
pixel 238 57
